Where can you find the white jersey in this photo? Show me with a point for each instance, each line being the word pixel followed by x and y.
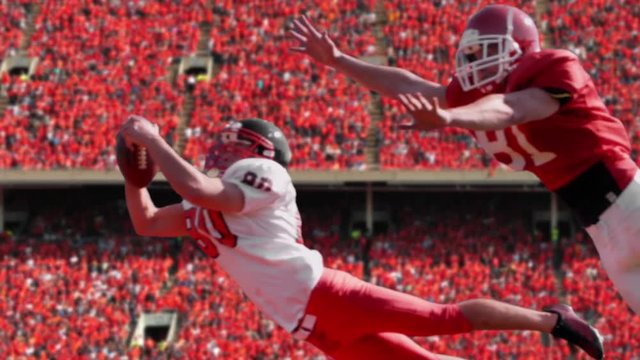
pixel 261 247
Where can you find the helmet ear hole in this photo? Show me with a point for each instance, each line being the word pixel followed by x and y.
pixel 274 144
pixel 263 151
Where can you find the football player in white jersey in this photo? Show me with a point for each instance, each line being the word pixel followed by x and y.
pixel 248 220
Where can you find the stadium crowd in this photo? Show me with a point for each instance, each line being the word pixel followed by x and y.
pixel 324 116
pixel 14 21
pixel 76 283
pixel 77 293
pixel 96 66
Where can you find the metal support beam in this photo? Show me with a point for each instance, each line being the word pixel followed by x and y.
pixel 1 209
pixel 553 221
pixel 369 209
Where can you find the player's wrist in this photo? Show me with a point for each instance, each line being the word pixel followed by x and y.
pixel 447 118
pixel 336 59
pixel 458 117
pixel 155 144
pixel 153 139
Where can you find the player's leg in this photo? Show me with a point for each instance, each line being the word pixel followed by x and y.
pixel 622 269
pixel 628 283
pixel 487 314
pixel 624 274
pixel 353 308
pixel 616 238
pixel 375 309
pixel 385 346
pixel 402 313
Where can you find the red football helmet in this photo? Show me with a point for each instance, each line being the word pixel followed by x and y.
pixel 492 42
pixel 248 138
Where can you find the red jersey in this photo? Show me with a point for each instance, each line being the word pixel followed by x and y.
pixel 562 146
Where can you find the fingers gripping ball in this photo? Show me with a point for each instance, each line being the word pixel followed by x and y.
pixel 135 164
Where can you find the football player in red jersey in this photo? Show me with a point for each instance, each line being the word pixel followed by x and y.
pixel 533 109
pixel 247 219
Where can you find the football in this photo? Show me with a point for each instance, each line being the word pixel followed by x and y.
pixel 135 164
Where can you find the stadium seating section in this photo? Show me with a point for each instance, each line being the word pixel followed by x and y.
pixel 323 115
pixel 100 62
pixel 78 292
pixel 13 23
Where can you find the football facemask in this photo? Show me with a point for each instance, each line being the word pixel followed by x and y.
pixel 234 144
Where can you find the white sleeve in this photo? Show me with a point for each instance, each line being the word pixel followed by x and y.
pixel 263 182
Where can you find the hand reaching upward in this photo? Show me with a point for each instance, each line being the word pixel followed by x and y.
pixel 314 43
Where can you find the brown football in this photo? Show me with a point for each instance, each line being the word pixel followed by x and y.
pixel 136 165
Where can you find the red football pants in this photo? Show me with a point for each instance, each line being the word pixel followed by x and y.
pixel 358 320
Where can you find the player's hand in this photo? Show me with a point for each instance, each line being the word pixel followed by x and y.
pixel 313 43
pixel 139 130
pixel 427 115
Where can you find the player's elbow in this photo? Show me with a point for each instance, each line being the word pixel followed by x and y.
pixel 517 117
pixel 145 233
pixel 142 221
pixel 143 228
pixel 146 225
pixel 197 191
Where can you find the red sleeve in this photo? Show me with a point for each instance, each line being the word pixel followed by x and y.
pixel 561 75
pixel 453 92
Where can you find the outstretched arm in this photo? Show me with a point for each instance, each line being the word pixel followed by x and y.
pixel 492 112
pixel 148 220
pixel 388 81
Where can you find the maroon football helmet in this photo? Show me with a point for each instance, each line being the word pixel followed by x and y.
pixel 494 39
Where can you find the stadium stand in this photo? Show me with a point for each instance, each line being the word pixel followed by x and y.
pixel 77 292
pixel 75 282
pixel 98 63
pixel 324 116
pixel 13 15
pixel 86 84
